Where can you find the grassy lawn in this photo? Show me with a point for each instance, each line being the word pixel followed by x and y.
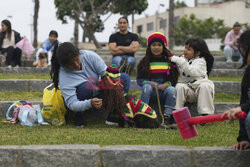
pixel 37 96
pixel 213 134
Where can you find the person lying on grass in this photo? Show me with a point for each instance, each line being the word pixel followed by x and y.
pixel 244 133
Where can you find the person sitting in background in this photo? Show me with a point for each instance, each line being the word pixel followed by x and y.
pixel 8 40
pixel 231 43
pixel 45 52
pixel 123 45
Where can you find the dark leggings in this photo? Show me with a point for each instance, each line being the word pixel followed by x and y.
pixel 13 57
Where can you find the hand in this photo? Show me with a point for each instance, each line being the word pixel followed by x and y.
pixel 162 87
pixel 241 145
pixel 152 83
pixel 96 102
pixel 231 113
pixel 170 58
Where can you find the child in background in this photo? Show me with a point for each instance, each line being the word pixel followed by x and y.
pixel 194 67
pixel 47 47
pixel 244 133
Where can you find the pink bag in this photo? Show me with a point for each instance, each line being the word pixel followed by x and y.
pixel 25 46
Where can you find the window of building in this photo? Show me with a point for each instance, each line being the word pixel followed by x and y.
pixel 139 29
pixel 176 19
pixel 163 23
pixel 150 26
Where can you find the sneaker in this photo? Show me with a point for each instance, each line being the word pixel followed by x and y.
pixel 111 123
pixel 112 119
pixel 123 64
pixel 129 69
pixel 169 119
pixel 9 66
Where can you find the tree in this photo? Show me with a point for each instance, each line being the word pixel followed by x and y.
pixel 35 18
pixel 179 4
pixel 90 12
pixel 171 24
pixel 193 27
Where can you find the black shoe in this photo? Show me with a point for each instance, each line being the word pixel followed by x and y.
pixel 123 65
pixel 112 119
pixel 78 119
pixel 169 120
pixel 129 69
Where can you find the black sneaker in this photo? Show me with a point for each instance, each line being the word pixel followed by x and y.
pixel 123 64
pixel 169 119
pixel 129 69
pixel 112 119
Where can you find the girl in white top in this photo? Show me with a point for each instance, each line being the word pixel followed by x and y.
pixel 194 86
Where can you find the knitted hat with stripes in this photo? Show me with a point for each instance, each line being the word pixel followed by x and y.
pixel 157 37
pixel 113 74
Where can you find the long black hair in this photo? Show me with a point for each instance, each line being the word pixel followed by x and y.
pixel 144 65
pixel 7 33
pixel 199 45
pixel 63 55
pixel 244 46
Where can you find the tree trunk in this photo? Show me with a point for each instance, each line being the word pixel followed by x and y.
pixel 76 33
pixel 171 25
pixel 35 18
pixel 93 38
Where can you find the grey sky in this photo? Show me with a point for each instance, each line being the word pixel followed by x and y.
pixel 20 12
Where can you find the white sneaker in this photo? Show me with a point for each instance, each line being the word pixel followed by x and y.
pixel 111 123
pixel 9 66
pixel 17 66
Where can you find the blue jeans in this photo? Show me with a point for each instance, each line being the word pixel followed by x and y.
pixel 86 91
pixel 167 97
pixel 247 124
pixel 117 60
pixel 229 52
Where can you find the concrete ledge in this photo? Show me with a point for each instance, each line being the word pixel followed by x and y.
pixel 40 84
pixel 122 156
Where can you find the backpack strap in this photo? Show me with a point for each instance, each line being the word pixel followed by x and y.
pixel 8 117
pixel 39 115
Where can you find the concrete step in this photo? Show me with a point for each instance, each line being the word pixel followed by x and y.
pixel 227 73
pixel 40 84
pixel 24 70
pixel 219 108
pixel 122 156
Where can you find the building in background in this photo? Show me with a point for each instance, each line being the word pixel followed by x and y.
pixel 230 12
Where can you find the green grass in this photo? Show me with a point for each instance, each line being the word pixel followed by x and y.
pixel 37 96
pixel 15 95
pixel 24 76
pixel 214 134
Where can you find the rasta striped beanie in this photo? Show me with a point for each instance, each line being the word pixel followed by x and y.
pixel 157 37
pixel 113 74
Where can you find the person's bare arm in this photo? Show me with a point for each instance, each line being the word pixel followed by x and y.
pixel 114 49
pixel 132 48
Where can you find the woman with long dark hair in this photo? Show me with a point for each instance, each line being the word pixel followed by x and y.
pixel 156 70
pixel 8 40
pixel 77 73
pixel 244 133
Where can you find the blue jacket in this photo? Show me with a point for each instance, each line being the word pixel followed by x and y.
pixel 48 46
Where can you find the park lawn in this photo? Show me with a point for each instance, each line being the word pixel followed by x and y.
pixel 213 134
pixel 37 96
